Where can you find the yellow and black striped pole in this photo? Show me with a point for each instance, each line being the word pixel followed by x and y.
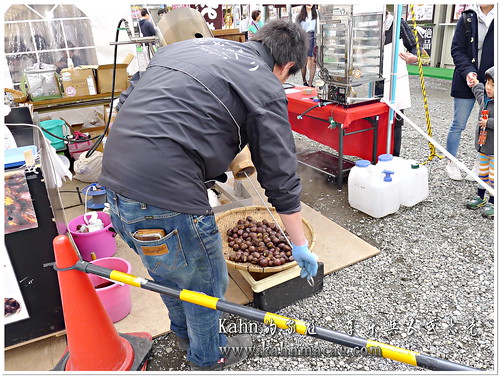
pixel 369 347
pixel 432 148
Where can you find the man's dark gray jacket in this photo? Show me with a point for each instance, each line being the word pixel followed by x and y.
pixel 196 106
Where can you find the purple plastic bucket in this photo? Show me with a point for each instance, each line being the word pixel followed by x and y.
pixel 114 297
pixel 101 242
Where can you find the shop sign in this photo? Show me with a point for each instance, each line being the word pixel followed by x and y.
pixel 425 34
pixel 213 15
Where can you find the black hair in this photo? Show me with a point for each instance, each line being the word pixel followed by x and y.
pixel 161 11
pixel 489 74
pixel 303 14
pixel 285 41
pixel 144 11
pixel 255 14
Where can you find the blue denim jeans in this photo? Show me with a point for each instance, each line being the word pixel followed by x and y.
pixel 188 257
pixel 462 109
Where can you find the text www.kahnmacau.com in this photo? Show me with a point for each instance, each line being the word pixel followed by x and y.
pixel 266 349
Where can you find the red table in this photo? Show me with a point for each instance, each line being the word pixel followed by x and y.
pixel 364 125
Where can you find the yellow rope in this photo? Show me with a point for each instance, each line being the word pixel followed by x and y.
pixel 432 149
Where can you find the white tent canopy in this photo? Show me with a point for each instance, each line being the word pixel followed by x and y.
pixel 98 26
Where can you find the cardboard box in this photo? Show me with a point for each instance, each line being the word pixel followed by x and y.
pixel 105 78
pixel 78 82
pixel 76 117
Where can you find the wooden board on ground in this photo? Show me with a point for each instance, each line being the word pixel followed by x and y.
pixel 41 355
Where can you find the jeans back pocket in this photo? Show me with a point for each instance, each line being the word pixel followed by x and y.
pixel 162 256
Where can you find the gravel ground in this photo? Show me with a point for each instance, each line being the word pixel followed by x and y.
pixel 430 290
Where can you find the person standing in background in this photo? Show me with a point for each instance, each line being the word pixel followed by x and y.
pixel 472 50
pixel 256 23
pixel 307 19
pixel 485 141
pixel 65 63
pixel 146 26
pixel 161 12
pixel 244 26
pixel 403 98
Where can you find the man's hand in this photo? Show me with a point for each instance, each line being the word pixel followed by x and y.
pixel 482 124
pixel 306 260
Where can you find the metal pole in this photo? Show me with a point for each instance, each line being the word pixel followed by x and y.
pixel 396 31
pixel 447 154
pixel 364 346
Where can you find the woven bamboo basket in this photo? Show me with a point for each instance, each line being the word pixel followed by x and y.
pixel 228 219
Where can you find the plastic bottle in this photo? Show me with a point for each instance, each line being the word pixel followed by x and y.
pixel 142 57
pixel 358 185
pixel 414 181
pixel 373 191
pixel 387 162
pixel 414 185
pixel 482 130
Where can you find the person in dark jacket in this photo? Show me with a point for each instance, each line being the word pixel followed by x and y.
pixel 485 140
pixel 199 102
pixel 472 50
pixel 146 26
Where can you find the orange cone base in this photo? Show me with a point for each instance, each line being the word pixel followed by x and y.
pixel 137 344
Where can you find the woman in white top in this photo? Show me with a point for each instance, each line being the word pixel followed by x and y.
pixel 307 19
pixel 244 26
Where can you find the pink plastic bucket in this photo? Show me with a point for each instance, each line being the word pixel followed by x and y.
pixel 114 297
pixel 101 242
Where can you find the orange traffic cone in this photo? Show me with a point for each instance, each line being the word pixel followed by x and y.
pixel 93 342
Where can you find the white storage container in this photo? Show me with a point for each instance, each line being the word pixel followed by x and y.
pixel 387 162
pixel 414 180
pixel 358 184
pixel 373 191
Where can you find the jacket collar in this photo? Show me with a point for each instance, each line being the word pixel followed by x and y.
pixel 262 52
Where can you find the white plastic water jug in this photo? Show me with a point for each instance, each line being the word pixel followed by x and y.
pixel 387 162
pixel 358 185
pixel 414 181
pixel 372 191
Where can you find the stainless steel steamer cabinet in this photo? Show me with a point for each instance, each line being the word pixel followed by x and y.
pixel 350 54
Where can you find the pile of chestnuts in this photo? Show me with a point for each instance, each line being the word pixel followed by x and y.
pixel 258 242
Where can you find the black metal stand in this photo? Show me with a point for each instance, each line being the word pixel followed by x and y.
pixel 328 163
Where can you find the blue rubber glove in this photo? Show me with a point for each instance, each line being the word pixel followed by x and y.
pixel 306 260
